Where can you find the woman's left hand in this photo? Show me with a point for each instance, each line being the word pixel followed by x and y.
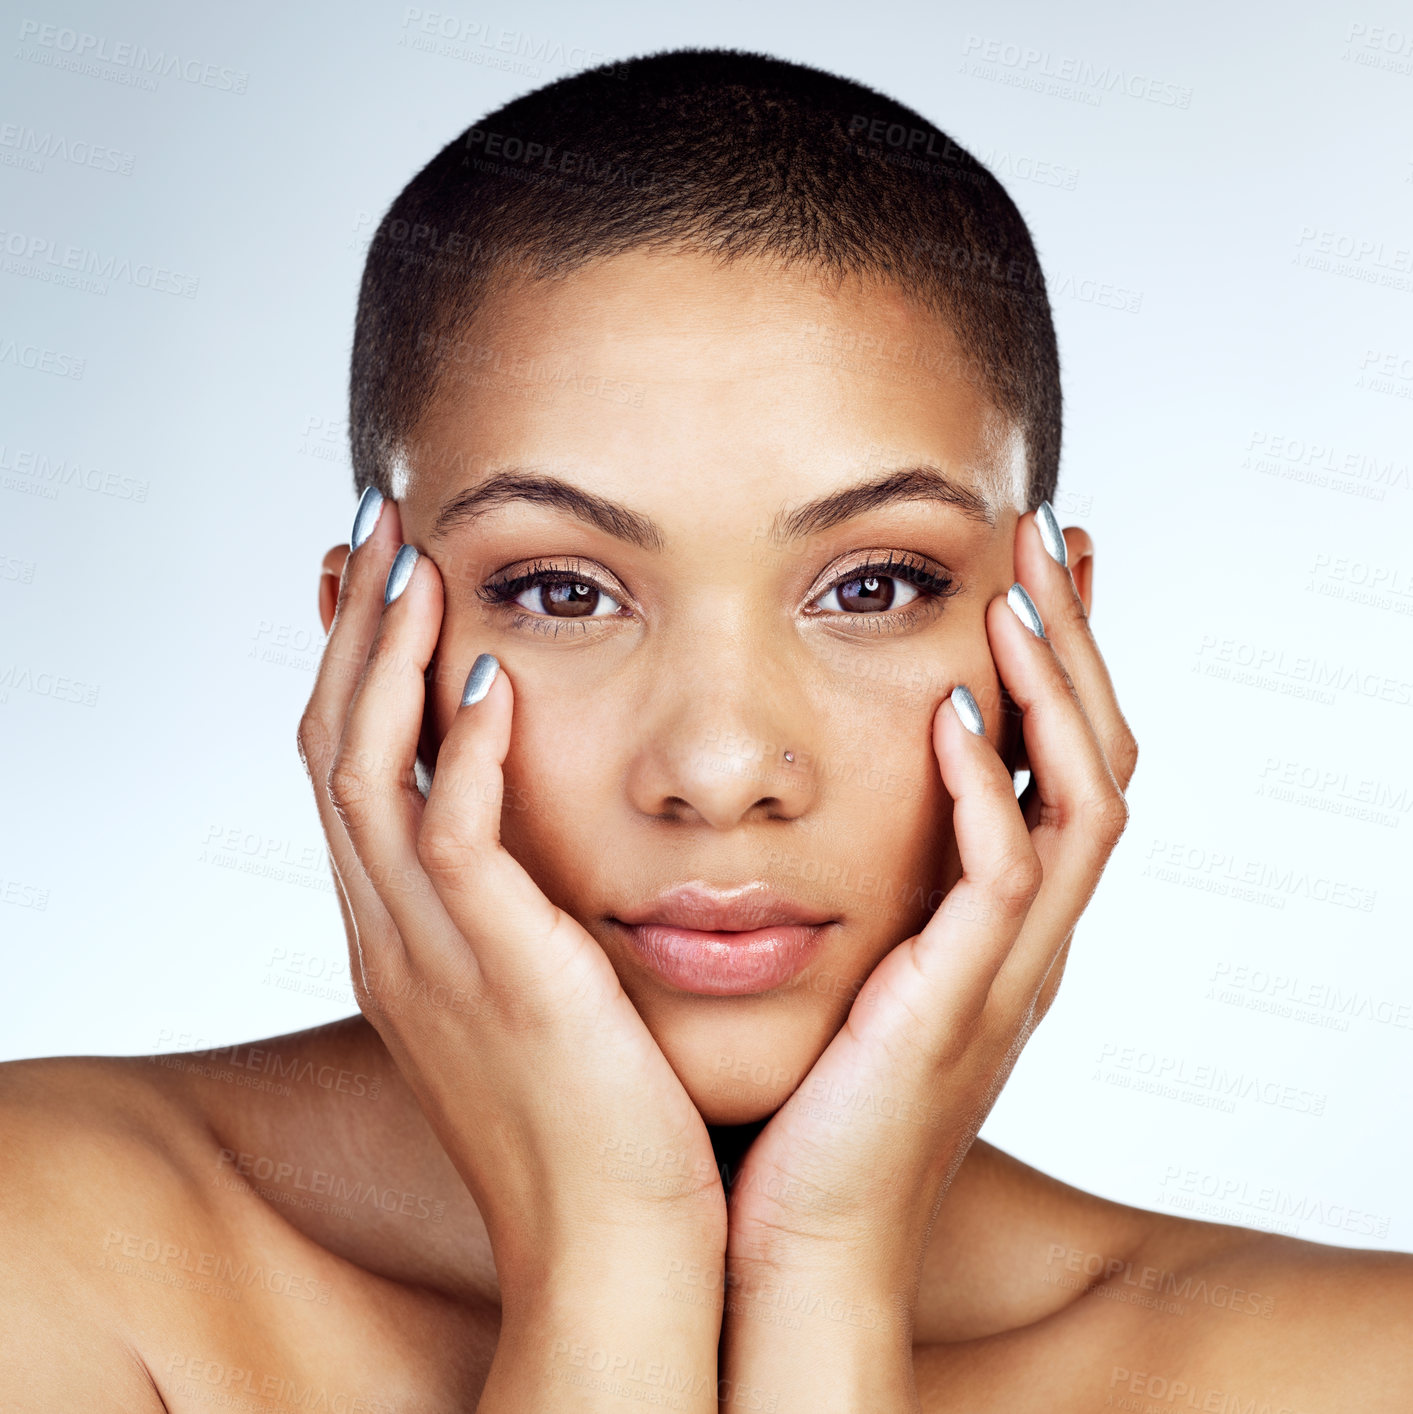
pixel 830 1212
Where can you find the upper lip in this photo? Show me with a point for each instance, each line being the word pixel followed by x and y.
pixel 707 909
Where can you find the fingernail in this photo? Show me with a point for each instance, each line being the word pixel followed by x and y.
pixel 967 710
pixel 479 679
pixel 365 519
pixel 1050 535
pixel 1024 608
pixel 404 562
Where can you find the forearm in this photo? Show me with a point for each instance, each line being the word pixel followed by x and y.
pixel 611 1331
pixel 817 1343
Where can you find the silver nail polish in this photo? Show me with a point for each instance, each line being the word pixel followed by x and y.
pixel 968 711
pixel 479 679
pixel 1024 608
pixel 423 774
pixel 365 519
pixel 404 562
pixel 1049 529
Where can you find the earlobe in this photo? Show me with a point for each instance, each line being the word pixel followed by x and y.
pixel 330 573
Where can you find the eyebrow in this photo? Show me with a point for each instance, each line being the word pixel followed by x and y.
pixel 914 483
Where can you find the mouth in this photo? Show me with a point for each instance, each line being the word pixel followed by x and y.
pixel 724 942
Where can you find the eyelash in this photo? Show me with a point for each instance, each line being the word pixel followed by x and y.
pixel 932 587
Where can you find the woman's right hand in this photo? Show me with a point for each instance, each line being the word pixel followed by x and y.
pixel 537 1074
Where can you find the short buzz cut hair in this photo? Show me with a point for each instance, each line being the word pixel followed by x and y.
pixel 718 150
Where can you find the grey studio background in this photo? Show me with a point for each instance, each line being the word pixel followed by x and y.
pixel 1221 197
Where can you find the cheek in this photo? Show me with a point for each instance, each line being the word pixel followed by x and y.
pixel 561 799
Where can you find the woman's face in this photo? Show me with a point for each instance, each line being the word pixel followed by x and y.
pixel 720 626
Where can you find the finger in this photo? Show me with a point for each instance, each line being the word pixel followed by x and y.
pixel 518 935
pixel 372 782
pixel 1051 586
pixel 1080 810
pixel 958 953
pixel 354 625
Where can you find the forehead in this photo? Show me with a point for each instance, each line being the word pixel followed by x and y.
pixel 672 373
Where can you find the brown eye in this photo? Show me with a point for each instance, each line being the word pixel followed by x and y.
pixel 869 594
pixel 891 583
pixel 553 594
pixel 566 600
pixel 860 596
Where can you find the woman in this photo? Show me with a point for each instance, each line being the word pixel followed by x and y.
pixel 706 406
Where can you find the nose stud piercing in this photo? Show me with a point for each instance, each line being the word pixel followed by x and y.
pixel 789 755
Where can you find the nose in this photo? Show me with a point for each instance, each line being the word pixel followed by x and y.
pixel 713 742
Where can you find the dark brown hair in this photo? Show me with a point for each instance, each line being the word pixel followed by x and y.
pixel 720 150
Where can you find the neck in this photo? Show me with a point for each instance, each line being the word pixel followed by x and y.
pixel 729 1143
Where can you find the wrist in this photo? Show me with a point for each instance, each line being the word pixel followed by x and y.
pixel 819 1349
pixel 631 1263
pixel 830 1333
pixel 611 1329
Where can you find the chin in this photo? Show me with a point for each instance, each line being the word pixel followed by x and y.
pixel 740 1059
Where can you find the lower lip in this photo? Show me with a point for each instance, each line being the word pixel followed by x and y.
pixel 725 964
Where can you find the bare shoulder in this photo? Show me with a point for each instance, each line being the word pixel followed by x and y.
pixel 1152 1311
pixel 90 1152
pixel 1307 1324
pixel 144 1271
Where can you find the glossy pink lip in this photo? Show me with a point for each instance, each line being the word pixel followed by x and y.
pixel 724 942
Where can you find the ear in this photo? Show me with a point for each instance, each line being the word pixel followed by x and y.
pixel 330 576
pixel 1081 557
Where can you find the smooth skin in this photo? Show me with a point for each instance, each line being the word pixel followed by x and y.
pixel 496 1187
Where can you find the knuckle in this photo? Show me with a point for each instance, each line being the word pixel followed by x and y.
pixel 1125 757
pixel 441 848
pixel 349 785
pixel 1018 879
pixel 314 740
pixel 377 987
pixel 1107 819
pixel 949 1047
